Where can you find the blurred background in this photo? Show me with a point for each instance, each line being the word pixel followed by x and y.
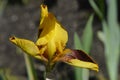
pixel 21 18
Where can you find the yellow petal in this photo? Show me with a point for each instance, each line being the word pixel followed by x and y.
pixel 61 37
pixel 44 10
pixel 47 30
pixel 51 49
pixel 83 64
pixel 44 14
pixel 51 34
pixel 27 46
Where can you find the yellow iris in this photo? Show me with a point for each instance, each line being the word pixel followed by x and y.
pixel 50 46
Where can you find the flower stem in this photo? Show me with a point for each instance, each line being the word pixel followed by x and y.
pixel 48 75
pixel 30 68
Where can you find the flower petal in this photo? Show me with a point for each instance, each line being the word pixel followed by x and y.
pixel 27 46
pixel 61 37
pixel 46 30
pixel 51 49
pixel 44 13
pixel 47 21
pixel 79 59
pixel 83 64
pixel 44 10
pixel 51 34
pixel 46 38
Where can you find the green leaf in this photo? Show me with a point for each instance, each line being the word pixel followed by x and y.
pixel 96 9
pixel 101 5
pixel 113 40
pixel 77 42
pixel 88 35
pixel 5 74
pixel 3 4
pixel 25 1
pixel 101 36
pixel 78 73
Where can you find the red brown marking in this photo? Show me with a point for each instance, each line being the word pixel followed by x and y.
pixel 44 6
pixel 39 32
pixel 77 54
pixel 12 38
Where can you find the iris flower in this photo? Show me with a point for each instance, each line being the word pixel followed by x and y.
pixel 50 46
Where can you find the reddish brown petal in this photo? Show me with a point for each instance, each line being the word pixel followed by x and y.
pixel 77 54
pixel 79 58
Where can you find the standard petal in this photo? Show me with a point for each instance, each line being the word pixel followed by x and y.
pixel 61 37
pixel 44 10
pixel 51 34
pixel 46 38
pixel 46 29
pixel 27 46
pixel 51 49
pixel 80 59
pixel 44 14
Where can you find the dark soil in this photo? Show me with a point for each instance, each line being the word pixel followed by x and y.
pixel 23 20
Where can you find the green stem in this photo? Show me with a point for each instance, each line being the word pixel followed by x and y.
pixel 48 75
pixel 30 68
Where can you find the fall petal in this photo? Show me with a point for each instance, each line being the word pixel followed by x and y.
pixel 83 64
pixel 80 59
pixel 27 46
